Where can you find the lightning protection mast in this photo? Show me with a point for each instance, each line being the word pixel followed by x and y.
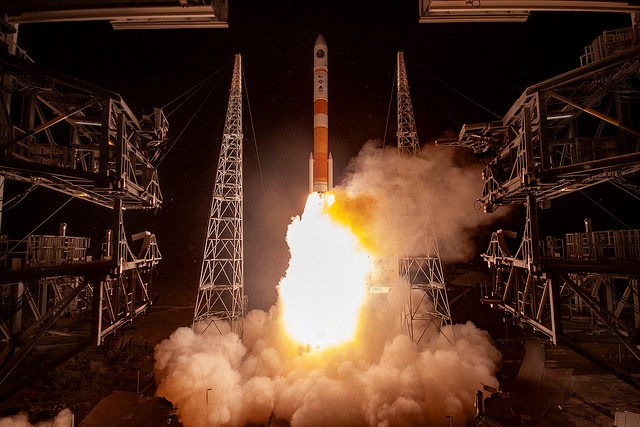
pixel 407 136
pixel 220 301
pixel 426 304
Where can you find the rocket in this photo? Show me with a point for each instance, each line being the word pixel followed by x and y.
pixel 320 161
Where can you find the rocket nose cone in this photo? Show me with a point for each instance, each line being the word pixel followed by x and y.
pixel 320 40
pixel 320 52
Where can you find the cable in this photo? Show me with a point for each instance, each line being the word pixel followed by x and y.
pixel 255 143
pixel 98 246
pixel 603 208
pixel 8 205
pixel 457 91
pixel 441 105
pixel 386 126
pixel 623 188
pixel 187 125
pixel 626 186
pixel 194 88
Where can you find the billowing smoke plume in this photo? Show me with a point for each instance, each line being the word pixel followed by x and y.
pixel 380 378
pixel 63 419
pixel 228 382
pixel 405 189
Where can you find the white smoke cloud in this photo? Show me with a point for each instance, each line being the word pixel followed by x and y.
pixel 348 386
pixel 405 188
pixel 381 378
pixel 63 419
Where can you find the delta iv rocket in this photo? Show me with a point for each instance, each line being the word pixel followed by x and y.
pixel 320 161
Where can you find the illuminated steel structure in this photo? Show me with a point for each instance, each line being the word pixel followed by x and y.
pixel 71 137
pixel 138 15
pixel 512 11
pixel 426 304
pixel 221 298
pixel 563 135
pixel 408 142
pixel 74 138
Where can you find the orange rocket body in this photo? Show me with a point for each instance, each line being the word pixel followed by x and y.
pixel 320 161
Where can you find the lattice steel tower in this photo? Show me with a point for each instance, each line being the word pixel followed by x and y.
pixel 221 300
pixel 407 136
pixel 426 305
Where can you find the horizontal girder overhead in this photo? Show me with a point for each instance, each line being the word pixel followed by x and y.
pixel 512 11
pixel 143 14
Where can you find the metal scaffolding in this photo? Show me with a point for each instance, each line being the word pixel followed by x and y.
pixel 74 138
pixel 563 135
pixel 158 14
pixel 426 304
pixel 221 300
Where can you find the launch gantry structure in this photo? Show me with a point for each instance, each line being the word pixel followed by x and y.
pixel 221 300
pixel 129 15
pixel 63 135
pixel 563 135
pixel 512 11
pixel 427 303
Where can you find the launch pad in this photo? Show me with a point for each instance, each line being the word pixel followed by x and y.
pixel 564 289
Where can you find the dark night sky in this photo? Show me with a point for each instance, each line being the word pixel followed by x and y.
pixel 489 63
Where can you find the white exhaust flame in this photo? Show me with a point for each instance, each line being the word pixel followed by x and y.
pixel 324 287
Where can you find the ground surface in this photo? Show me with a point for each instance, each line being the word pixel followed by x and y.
pixel 541 384
pixel 96 372
pixel 544 384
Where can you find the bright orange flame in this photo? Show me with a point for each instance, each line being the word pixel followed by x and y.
pixel 324 288
pixel 356 211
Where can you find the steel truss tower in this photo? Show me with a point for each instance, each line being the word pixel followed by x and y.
pixel 426 305
pixel 221 297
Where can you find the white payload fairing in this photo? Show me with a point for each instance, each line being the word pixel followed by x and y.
pixel 320 161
